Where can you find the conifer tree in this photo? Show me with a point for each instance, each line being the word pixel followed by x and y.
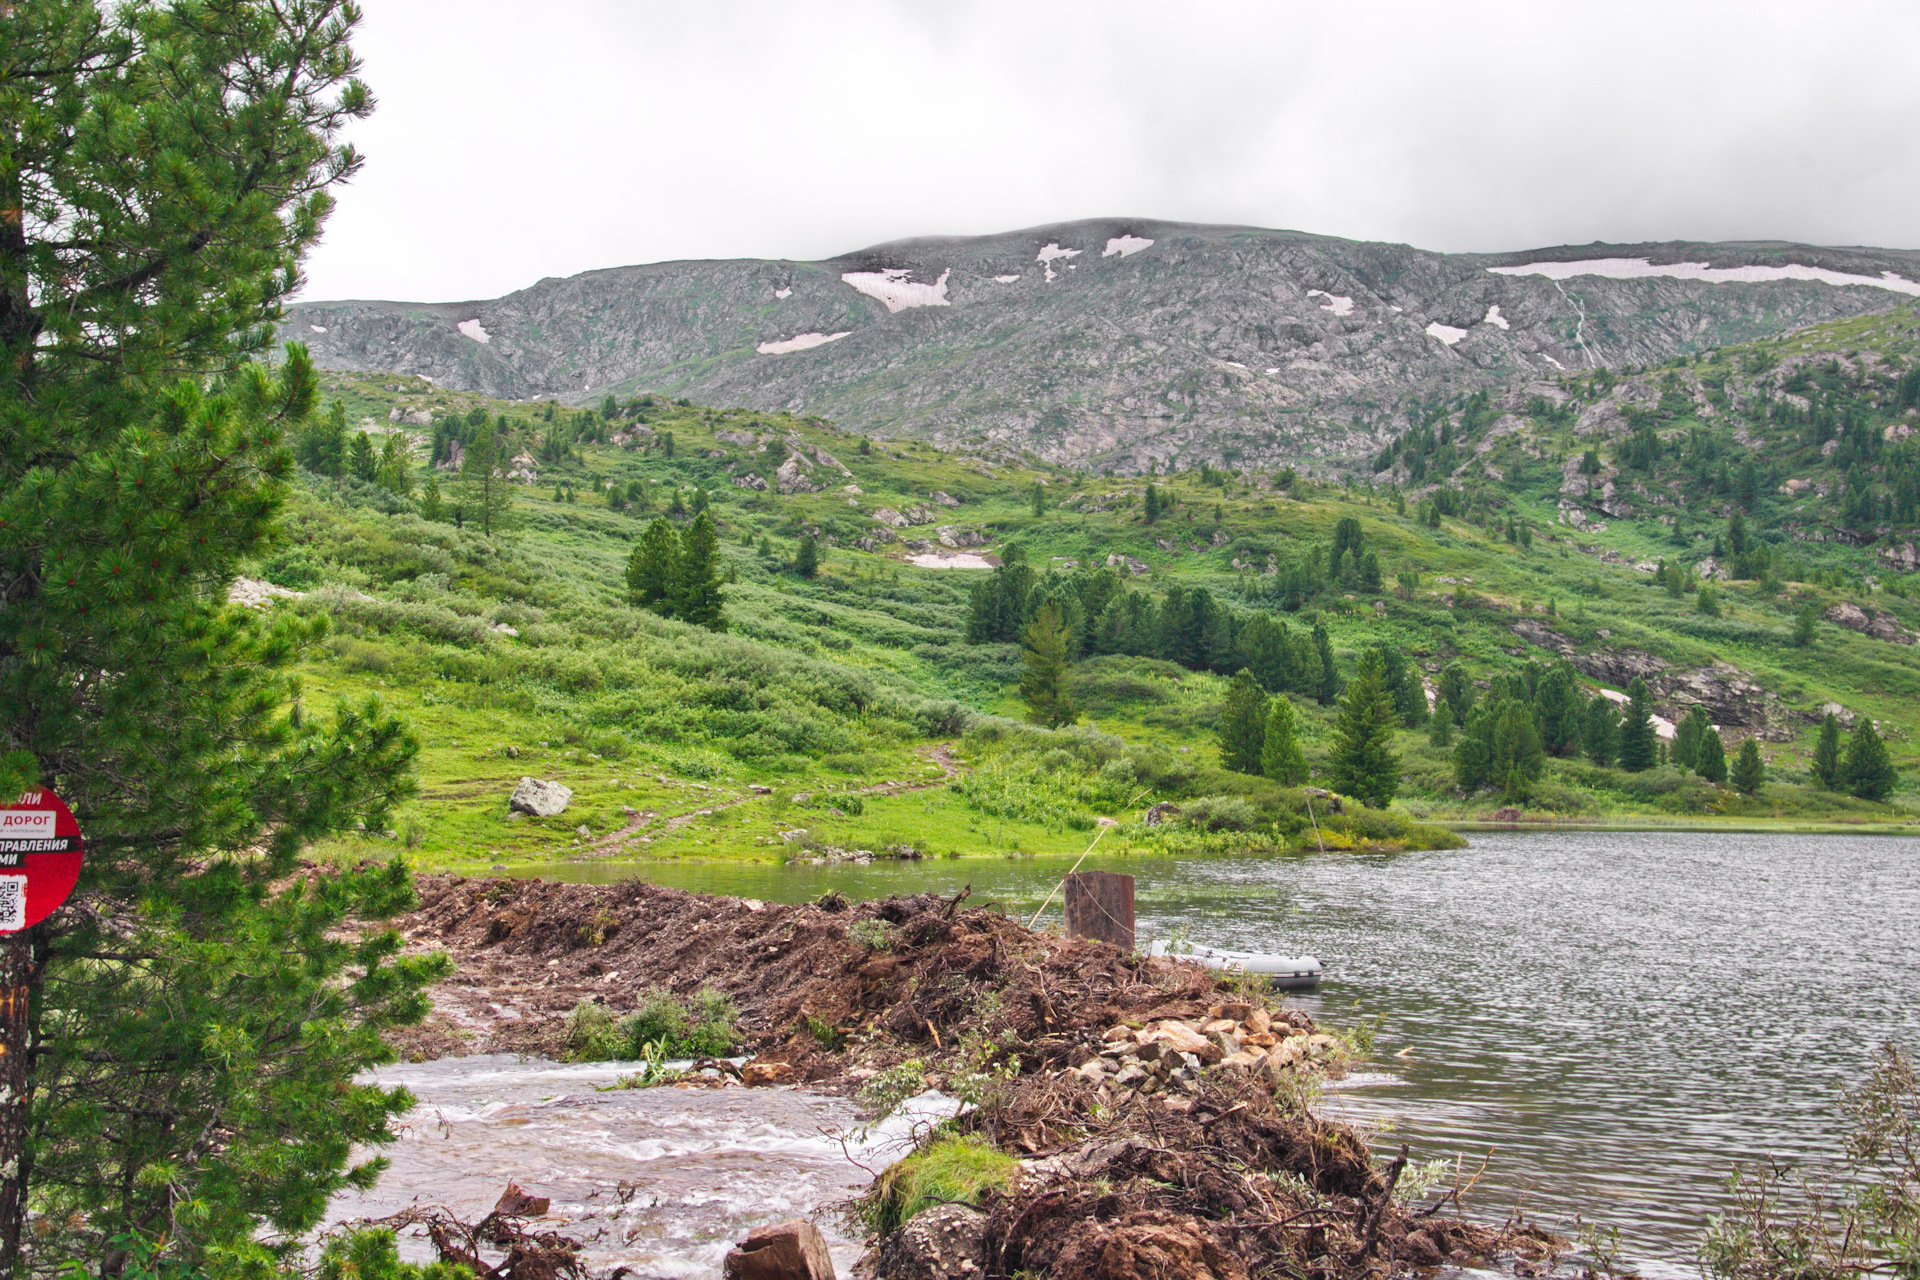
pixel 1638 743
pixel 395 472
pixel 696 595
pixel 1456 689
pixel 806 559
pixel 1328 687
pixel 322 443
pixel 431 505
pixel 197 1027
pixel 1749 771
pixel 360 458
pixel 485 492
pixel 1440 727
pixel 1688 735
pixel 1044 684
pixel 1710 758
pixel 1600 730
pixel 1362 763
pixel 1280 755
pixel 1868 770
pixel 1557 710
pixel 1152 504
pixel 654 567
pixel 1243 721
pixel 1826 754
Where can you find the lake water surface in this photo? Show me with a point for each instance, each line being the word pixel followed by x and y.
pixel 1617 1017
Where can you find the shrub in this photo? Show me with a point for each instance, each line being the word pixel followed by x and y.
pixel 706 1030
pixel 1219 813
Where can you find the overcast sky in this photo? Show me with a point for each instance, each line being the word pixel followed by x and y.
pixel 517 141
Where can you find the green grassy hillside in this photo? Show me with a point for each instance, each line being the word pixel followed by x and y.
pixel 849 711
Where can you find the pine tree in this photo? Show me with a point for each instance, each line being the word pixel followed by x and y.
pixel 1456 690
pixel 1403 686
pixel 1638 743
pixel 1868 770
pixel 322 443
pixel 1362 763
pixel 485 493
pixel 1280 755
pixel 1826 754
pixel 1516 744
pixel 1243 724
pixel 1329 685
pixel 1687 736
pixel 1440 727
pixel 1749 771
pixel 806 560
pixel 1804 623
pixel 1557 709
pixel 1039 498
pixel 1152 508
pixel 431 505
pixel 654 567
pixel 1599 730
pixel 395 472
pixel 360 458
pixel 1045 682
pixel 1710 758
pixel 696 595
pixel 1370 579
pixel 165 168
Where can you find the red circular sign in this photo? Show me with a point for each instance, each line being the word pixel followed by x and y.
pixel 40 851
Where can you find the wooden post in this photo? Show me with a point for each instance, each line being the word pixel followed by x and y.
pixel 1100 906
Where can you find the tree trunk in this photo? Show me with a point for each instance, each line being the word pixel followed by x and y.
pixel 16 1093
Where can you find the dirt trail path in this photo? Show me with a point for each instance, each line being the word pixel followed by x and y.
pixel 618 842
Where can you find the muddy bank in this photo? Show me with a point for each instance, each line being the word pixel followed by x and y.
pixel 1159 1112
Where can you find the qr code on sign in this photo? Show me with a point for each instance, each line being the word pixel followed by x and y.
pixel 13 903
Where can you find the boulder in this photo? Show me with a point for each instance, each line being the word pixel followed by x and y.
pixel 766 1073
pixel 1869 622
pixel 784 1251
pixel 539 797
pixel 946 1242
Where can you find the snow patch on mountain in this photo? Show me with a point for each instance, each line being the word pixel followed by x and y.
pixel 1495 319
pixel 1340 306
pixel 802 341
pixel 1125 246
pixel 892 287
pixel 1641 269
pixel 473 330
pixel 1445 332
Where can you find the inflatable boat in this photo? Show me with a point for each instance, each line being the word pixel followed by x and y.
pixel 1285 971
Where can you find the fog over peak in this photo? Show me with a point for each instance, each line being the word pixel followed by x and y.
pixel 514 144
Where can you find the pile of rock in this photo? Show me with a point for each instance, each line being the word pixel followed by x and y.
pixel 1172 1053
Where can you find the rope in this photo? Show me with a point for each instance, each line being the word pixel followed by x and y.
pixel 1076 866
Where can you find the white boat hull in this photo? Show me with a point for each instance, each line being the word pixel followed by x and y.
pixel 1287 971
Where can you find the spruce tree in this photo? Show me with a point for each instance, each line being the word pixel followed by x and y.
pixel 431 505
pixel 1152 504
pixel 1638 742
pixel 1280 755
pixel 1440 727
pixel 1867 770
pixel 1243 721
pixel 1600 729
pixel 1044 684
pixel 1516 744
pixel 1557 709
pixel 322 444
pixel 1362 763
pixel 654 567
pixel 1456 689
pixel 1826 754
pixel 696 595
pixel 1710 758
pixel 1749 771
pixel 360 458
pixel 1688 735
pixel 806 559
pixel 198 1024
pixel 1403 686
pixel 1329 684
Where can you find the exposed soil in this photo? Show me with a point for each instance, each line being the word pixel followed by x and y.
pixel 1226 1174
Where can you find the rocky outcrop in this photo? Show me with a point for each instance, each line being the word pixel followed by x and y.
pixel 953 537
pixel 1190 335
pixel 1620 667
pixel 1536 632
pixel 1870 622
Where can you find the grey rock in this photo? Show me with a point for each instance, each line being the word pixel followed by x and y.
pixel 1870 622
pixel 540 798
pixel 946 1242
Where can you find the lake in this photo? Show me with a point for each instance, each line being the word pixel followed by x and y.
pixel 1617 1017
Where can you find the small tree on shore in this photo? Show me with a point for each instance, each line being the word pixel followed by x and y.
pixel 1710 758
pixel 1599 730
pixel 1749 771
pixel 1868 768
pixel 1243 720
pixel 1639 744
pixel 1280 756
pixel 1044 684
pixel 1826 753
pixel 1363 763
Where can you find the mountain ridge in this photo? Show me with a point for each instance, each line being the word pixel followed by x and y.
pixel 1122 344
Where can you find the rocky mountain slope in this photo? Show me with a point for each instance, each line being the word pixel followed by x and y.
pixel 1110 343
